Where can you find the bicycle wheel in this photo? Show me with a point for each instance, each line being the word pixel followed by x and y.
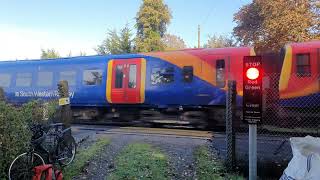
pixel 22 166
pixel 66 151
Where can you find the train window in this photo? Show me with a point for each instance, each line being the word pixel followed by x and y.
pixel 132 76
pixel 5 80
pixel 187 72
pixel 162 75
pixel 220 73
pixel 119 76
pixel 69 76
pixel 92 77
pixel 45 79
pixel 23 79
pixel 303 65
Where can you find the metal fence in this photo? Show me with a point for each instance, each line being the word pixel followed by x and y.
pixel 292 111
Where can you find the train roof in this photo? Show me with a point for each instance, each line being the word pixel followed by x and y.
pixel 226 50
pixel 313 43
pixel 66 60
pixel 73 59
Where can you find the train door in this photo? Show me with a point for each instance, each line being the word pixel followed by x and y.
pixel 126 81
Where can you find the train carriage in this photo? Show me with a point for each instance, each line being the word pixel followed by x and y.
pixel 299 83
pixel 300 73
pixel 185 86
pixel 186 79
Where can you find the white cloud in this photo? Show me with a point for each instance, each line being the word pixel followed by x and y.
pixel 26 43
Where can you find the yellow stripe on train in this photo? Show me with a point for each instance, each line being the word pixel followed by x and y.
pixel 109 81
pixel 143 80
pixel 286 69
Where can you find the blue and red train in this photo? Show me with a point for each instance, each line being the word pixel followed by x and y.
pixel 185 86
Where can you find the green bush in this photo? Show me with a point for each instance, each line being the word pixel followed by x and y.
pixel 14 130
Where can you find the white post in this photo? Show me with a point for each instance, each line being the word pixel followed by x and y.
pixel 252 151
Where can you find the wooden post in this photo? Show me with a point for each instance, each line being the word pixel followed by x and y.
pixel 2 95
pixel 64 103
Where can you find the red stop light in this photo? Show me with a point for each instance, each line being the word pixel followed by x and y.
pixel 252 89
pixel 252 73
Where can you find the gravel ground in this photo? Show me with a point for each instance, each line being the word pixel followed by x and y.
pixel 179 150
pixel 270 164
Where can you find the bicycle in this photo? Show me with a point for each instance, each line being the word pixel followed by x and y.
pixel 60 145
pixel 53 142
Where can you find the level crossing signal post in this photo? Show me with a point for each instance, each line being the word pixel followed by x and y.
pixel 252 106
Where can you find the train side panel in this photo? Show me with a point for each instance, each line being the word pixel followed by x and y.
pixel 211 70
pixel 299 81
pixel 168 86
pixel 39 79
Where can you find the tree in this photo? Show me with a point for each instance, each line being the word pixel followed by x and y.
pixel 151 23
pixel 116 43
pixel 219 42
pixel 82 53
pixel 126 44
pixel 49 54
pixel 269 25
pixel 69 54
pixel 111 45
pixel 173 42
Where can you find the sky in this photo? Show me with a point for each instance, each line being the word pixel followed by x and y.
pixel 77 26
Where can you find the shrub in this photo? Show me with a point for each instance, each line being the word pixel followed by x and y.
pixel 14 129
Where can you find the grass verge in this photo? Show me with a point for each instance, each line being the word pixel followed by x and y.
pixel 140 161
pixel 82 157
pixel 208 167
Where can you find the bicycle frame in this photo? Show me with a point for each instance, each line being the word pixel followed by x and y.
pixel 59 137
pixel 32 156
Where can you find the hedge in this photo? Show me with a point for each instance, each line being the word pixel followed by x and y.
pixel 14 129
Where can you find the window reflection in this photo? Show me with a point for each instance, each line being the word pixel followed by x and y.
pixel 162 75
pixel 119 76
pixel 92 77
pixel 45 79
pixel 69 76
pixel 132 76
pixel 220 73
pixel 303 65
pixel 24 79
pixel 5 80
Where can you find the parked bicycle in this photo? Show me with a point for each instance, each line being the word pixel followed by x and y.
pixel 51 144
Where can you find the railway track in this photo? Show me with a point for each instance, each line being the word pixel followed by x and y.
pixel 145 131
pixel 165 124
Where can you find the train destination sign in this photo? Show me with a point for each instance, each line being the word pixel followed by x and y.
pixel 252 89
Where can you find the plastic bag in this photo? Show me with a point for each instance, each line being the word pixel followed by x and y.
pixel 305 163
pixel 46 172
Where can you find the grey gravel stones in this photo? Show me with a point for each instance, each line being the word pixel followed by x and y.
pixel 179 150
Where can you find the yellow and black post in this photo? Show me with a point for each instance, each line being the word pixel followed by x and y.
pixel 64 103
